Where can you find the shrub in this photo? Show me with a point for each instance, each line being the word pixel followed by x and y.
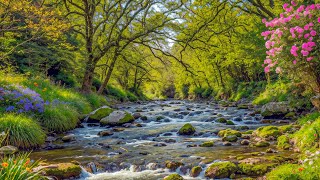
pixel 19 168
pixel 95 100
pixel 23 132
pixel 59 118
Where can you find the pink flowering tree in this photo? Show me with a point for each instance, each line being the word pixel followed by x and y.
pixel 292 42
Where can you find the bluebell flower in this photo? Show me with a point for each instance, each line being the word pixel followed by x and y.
pixel 10 108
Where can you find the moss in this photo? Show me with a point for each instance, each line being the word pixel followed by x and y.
pixel 262 144
pixel 159 118
pixel 285 172
pixel 173 165
pixel 221 120
pixel 195 171
pixel 307 138
pixel 64 171
pixel 283 142
pixel 286 128
pixel 242 106
pixel 228 132
pixel 144 118
pixel 207 144
pixel 101 113
pixel 290 115
pixel 187 129
pixel 267 131
pixel 128 118
pixel 254 169
pixel 220 170
pixel 266 113
pixel 173 177
pixel 248 132
pixel 230 138
pixel 229 122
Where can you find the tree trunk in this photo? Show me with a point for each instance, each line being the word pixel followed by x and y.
pixel 108 76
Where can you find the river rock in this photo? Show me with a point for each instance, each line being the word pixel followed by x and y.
pixel 262 144
pixel 160 145
pixel 136 115
pixel 227 144
pixel 275 109
pixel 69 138
pixel 245 142
pixel 187 129
pixel 117 118
pixel 230 138
pixel 98 114
pixel 105 133
pixel 220 170
pixel 195 171
pixel 173 177
pixel 7 150
pixel 172 165
pixel 63 171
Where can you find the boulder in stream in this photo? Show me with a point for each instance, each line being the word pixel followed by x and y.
pixel 187 129
pixel 98 114
pixel 117 118
pixel 195 171
pixel 275 109
pixel 221 170
pixel 173 177
pixel 63 171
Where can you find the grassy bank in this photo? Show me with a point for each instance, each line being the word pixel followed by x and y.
pixel 33 106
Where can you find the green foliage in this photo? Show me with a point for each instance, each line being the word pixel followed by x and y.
pixel 309 118
pixel 59 118
pixel 267 131
pixel 254 170
pixel 19 168
pixel 23 131
pixel 283 142
pixel 247 90
pixel 95 100
pixel 277 91
pixel 307 138
pixel 120 94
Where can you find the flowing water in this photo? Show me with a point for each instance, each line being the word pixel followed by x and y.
pixel 140 152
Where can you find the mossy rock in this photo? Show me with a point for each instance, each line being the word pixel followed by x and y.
pixel 100 113
pixel 230 138
pixel 195 171
pixel 220 170
pixel 144 118
pixel 173 177
pixel 172 165
pixel 117 118
pixel 228 132
pixel 64 171
pixel 229 122
pixel 262 144
pixel 207 144
pixel 248 132
pixel 287 129
pixel 267 131
pixel 283 142
pixel 159 118
pixel 221 120
pixel 8 150
pixel 243 106
pixel 290 115
pixel 254 169
pixel 266 113
pixel 187 129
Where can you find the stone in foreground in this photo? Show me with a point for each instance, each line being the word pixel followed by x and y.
pixel 187 129
pixel 117 118
pixel 221 170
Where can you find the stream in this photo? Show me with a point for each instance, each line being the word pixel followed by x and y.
pixel 141 150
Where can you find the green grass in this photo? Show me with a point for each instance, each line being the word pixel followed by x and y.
pixel 309 118
pixel 23 132
pixel 59 118
pixel 121 94
pixel 277 91
pixel 247 90
pixel 19 168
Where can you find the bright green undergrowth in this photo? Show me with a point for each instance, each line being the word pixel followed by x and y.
pixel 23 131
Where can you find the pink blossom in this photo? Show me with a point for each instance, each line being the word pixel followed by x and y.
pixel 318 19
pixel 313 33
pixel 293 3
pixel 309 58
pixel 300 9
pixel 294 51
pixel 267 69
pixel 267 61
pixel 306 36
pixel 294 62
pixel 285 6
pixel 304 53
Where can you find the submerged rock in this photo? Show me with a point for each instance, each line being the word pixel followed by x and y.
pixel 69 138
pixel 172 165
pixel 207 144
pixel 105 133
pixel 187 129
pixel 230 138
pixel 221 170
pixel 117 118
